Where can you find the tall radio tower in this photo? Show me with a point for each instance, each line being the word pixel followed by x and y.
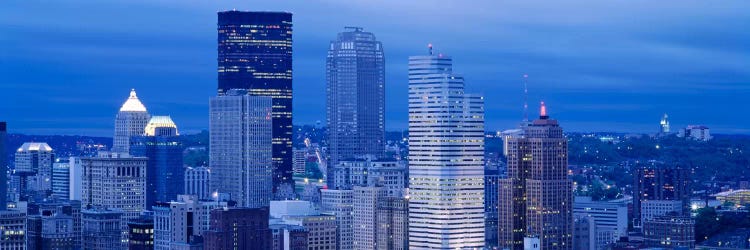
pixel 525 99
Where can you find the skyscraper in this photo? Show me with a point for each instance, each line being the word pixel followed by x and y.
pixel 3 167
pixel 34 166
pixel 240 147
pixel 130 121
pixel 536 199
pixel 255 54
pixel 355 95
pixel 446 157
pixel 165 174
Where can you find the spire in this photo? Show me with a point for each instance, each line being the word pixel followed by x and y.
pixel 133 104
pixel 429 46
pixel 525 99
pixel 543 112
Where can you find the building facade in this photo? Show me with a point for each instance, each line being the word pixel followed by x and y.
pixel 446 157
pixel 141 233
pixel 54 224
pixel 536 199
pixel 365 216
pixel 33 163
pixel 12 229
pixel 491 188
pixel 181 223
pixel 610 218
pixel 255 54
pixel 130 121
pixel 102 229
pixel 198 182
pixel 61 179
pixel 238 228
pixel 340 203
pixel 393 223
pixel 355 95
pixel 240 152
pixel 115 181
pixel 669 231
pixel 658 181
pixel 165 174
pixel 3 166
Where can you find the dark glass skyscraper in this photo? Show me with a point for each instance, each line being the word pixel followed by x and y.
pixel 355 95
pixel 165 175
pixel 3 167
pixel 255 53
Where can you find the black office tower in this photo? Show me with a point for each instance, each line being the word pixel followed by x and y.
pixel 255 53
pixel 3 166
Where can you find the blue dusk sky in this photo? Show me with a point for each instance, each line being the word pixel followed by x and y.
pixel 67 66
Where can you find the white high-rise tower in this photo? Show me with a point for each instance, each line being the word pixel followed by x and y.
pixel 446 154
pixel 130 121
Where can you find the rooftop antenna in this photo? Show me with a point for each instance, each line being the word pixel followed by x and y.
pixel 525 98
pixel 429 46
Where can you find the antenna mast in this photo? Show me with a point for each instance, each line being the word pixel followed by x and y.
pixel 525 99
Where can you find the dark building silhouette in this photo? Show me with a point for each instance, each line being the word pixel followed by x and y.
pixel 3 166
pixel 255 53
pixel 238 228
pixel 536 199
pixel 165 173
pixel 141 233
pixel 658 181
pixel 295 235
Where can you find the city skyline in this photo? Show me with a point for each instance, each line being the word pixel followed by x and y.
pixel 622 77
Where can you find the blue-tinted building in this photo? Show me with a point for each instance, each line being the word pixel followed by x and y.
pixel 355 96
pixel 165 174
pixel 255 53
pixel 491 188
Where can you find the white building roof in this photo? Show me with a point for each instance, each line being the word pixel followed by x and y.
pixel 133 104
pixel 35 146
pixel 159 121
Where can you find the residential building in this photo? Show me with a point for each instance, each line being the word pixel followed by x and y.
pixel 255 54
pixel 241 147
pixel 130 121
pixel 367 171
pixel 299 161
pixel 355 95
pixel 536 198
